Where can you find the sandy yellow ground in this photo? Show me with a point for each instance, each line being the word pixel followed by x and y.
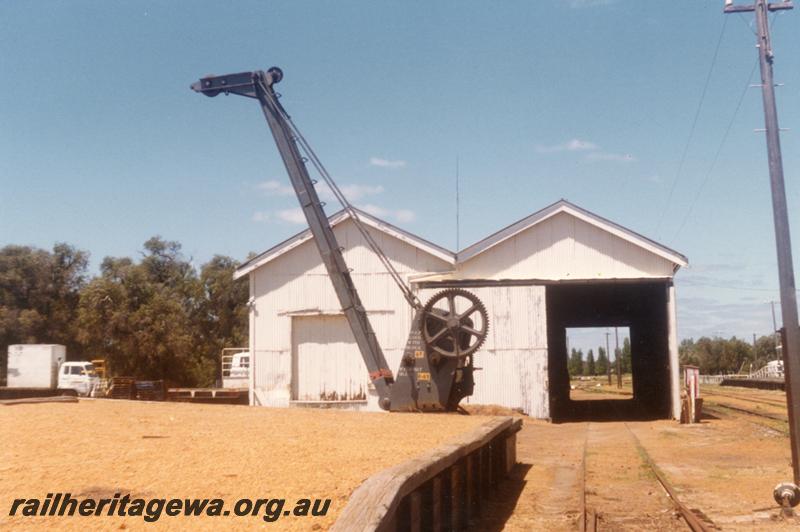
pixel 96 448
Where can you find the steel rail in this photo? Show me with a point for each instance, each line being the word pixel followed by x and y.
pixel 587 517
pixel 691 519
pixel 778 404
pixel 765 415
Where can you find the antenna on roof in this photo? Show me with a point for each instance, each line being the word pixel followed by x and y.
pixel 458 229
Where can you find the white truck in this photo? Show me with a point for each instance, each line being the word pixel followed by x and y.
pixel 235 367
pixel 40 367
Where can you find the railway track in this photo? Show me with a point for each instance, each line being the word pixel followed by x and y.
pixel 587 516
pixel 778 423
pixel 743 397
pixel 765 415
pixel 590 515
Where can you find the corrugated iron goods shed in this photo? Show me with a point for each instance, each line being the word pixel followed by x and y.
pixel 560 267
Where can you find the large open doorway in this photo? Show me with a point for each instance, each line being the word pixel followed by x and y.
pixel 599 363
pixel 641 307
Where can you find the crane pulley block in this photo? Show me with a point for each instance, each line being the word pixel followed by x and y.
pixel 243 83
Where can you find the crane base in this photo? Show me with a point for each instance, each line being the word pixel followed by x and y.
pixel 422 385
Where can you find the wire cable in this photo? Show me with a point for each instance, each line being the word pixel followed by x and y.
pixel 724 136
pixel 339 195
pixel 694 125
pixel 733 287
pixel 717 154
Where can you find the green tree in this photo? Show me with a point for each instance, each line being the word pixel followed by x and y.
pixel 589 368
pixel 687 354
pixel 724 356
pixel 221 316
pixel 602 362
pixel 138 316
pixel 575 363
pixel 765 350
pixel 159 320
pixel 625 356
pixel 39 291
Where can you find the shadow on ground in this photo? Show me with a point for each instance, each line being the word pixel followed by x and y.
pixel 604 410
pixel 498 509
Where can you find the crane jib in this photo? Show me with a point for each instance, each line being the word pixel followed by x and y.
pixel 436 367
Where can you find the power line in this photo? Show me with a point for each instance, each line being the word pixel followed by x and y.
pixel 719 150
pixel 694 125
pixel 729 287
pixel 748 24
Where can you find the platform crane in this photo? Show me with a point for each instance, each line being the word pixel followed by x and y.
pixel 436 370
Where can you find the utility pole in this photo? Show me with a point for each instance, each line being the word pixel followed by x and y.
pixel 775 334
pixel 785 494
pixel 774 324
pixel 616 358
pixel 608 360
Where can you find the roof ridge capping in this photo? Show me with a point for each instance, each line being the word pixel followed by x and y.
pixel 477 248
pixel 565 206
pixel 335 219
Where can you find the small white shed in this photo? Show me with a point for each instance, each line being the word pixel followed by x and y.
pixel 529 275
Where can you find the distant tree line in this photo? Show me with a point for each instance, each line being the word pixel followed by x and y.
pixel 587 366
pixel 713 356
pixel 716 356
pixel 158 318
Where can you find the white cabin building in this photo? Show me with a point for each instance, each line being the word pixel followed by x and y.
pixel 557 268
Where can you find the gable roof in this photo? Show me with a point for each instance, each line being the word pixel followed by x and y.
pixel 582 214
pixel 561 206
pixel 335 219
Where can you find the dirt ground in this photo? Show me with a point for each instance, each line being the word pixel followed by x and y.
pixel 96 448
pixel 725 468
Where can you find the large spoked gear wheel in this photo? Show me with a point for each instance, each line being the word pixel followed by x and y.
pixel 455 323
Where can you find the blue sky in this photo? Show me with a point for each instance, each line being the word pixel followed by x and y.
pixel 103 144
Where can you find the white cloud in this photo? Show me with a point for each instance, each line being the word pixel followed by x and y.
pixel 570 145
pixel 296 216
pixel 399 215
pixel 356 192
pixel 591 151
pixel 613 157
pixel 405 215
pixel 293 216
pixel 577 4
pixel 275 188
pixel 353 192
pixel 386 163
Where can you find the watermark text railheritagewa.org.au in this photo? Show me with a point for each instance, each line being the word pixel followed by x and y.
pixel 151 510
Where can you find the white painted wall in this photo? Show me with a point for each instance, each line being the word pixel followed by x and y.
pixel 296 284
pixel 326 360
pixel 561 248
pixel 514 357
pixel 674 361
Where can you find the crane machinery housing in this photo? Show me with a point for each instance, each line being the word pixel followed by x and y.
pixel 436 370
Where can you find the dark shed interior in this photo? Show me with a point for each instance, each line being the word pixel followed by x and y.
pixel 641 306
